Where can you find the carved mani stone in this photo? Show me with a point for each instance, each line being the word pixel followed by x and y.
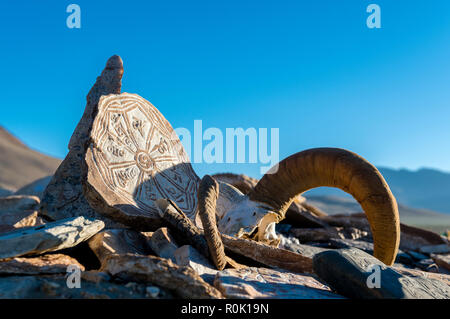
pixel 135 158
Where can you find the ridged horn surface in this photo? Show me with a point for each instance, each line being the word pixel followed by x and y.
pixel 333 167
pixel 207 197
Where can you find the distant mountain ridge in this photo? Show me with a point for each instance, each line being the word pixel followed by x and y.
pixel 425 188
pixel 20 165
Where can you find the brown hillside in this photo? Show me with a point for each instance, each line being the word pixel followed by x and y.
pixel 20 165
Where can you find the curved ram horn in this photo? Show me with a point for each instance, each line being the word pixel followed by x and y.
pixel 343 169
pixel 207 196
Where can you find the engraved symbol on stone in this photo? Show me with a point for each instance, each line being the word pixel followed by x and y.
pixel 136 158
pixel 115 117
pixel 125 175
pixel 119 130
pixel 145 162
pixel 138 125
pixel 115 151
pixel 150 194
pixel 162 147
pixel 177 178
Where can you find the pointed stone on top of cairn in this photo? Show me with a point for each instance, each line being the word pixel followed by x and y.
pixel 63 197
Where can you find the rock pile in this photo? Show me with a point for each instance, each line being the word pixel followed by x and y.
pixel 121 214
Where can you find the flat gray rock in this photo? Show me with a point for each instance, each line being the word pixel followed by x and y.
pixel 366 246
pixel 55 287
pixel 252 283
pixel 49 237
pixel 47 264
pixel 348 271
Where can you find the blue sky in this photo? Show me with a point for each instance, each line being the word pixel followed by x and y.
pixel 310 68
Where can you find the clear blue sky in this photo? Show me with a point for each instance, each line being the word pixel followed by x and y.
pixel 311 68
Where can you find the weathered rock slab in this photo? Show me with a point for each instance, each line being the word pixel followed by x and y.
pixel 183 281
pixel 293 244
pixel 188 256
pixel 18 211
pixel 10 221
pixel 47 264
pixel 427 265
pixel 95 276
pixel 163 244
pixel 18 203
pixel 442 261
pixel 348 271
pixel 402 257
pixel 416 256
pixel 411 238
pixel 242 182
pixel 63 196
pixel 301 214
pixel 250 283
pixel 183 229
pixel 424 274
pixel 49 237
pixel 55 287
pixel 435 249
pixel 358 220
pixel 268 255
pixel 118 242
pixel 414 238
pixel 325 234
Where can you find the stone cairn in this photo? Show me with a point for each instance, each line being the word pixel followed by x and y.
pixel 123 213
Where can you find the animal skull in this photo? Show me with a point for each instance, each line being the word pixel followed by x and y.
pixel 242 217
pixel 254 215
